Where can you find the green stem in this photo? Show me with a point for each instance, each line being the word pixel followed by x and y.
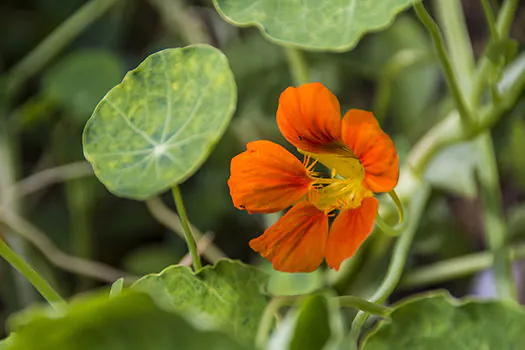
pixel 56 42
pixel 363 305
pixel 32 276
pixel 449 131
pixel 503 24
pixel 190 239
pixel 433 29
pixel 387 229
pixel 267 319
pixel 168 218
pixel 265 325
pixel 491 22
pixel 506 17
pixel 447 270
pixel 462 266
pixel 9 166
pixel 181 21
pixel 451 19
pixel 298 65
pixel 397 263
pixel 496 231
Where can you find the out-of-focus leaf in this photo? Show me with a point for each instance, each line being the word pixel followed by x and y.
pixel 453 169
pixel 130 321
pixel 81 79
pixel 401 54
pixel 157 127
pixel 335 25
pixel 228 295
pixel 283 283
pixel 502 50
pixel 152 257
pixel 316 324
pixel 209 185
pixel 511 73
pixel 437 321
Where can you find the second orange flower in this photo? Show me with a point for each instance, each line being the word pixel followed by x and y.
pixel 266 178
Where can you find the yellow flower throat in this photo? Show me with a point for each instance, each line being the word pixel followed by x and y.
pixel 344 189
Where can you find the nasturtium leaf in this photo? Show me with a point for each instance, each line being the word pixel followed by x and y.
pixel 229 295
pixel 158 126
pixel 81 79
pixel 453 169
pixel 130 321
pixel 436 321
pixel 335 25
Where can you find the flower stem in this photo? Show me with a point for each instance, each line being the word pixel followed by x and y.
pixel 298 66
pixel 489 14
pixel 461 266
pixel 265 325
pixel 433 29
pixel 190 239
pixel 503 23
pixel 363 305
pixel 496 232
pixel 32 276
pixel 397 263
pixel 451 19
pixel 344 301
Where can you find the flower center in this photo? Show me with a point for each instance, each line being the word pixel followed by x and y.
pixel 334 193
pixel 344 189
pixel 342 159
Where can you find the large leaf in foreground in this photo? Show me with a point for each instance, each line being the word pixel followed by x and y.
pixel 335 25
pixel 436 321
pixel 158 126
pixel 130 321
pixel 229 295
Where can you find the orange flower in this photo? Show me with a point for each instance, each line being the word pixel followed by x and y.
pixel 266 178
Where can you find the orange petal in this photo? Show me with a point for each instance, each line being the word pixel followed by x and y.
pixel 374 148
pixel 309 117
pixel 267 178
pixel 295 243
pixel 349 230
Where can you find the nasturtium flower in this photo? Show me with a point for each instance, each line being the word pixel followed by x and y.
pixel 266 178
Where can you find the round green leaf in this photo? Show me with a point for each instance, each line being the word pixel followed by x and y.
pixel 158 126
pixel 436 321
pixel 335 25
pixel 229 294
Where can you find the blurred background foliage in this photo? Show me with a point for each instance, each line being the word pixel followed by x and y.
pixel 392 72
